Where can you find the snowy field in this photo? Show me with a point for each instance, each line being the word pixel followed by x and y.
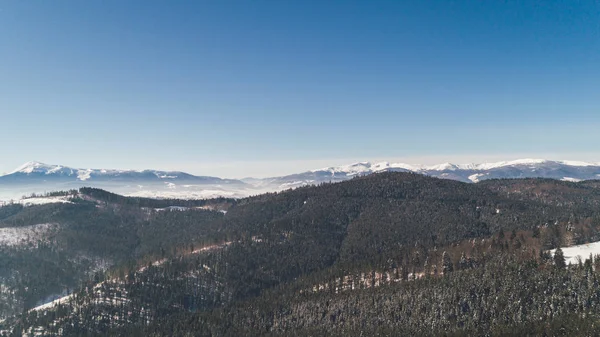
pixel 52 304
pixel 13 236
pixel 39 201
pixel 172 209
pixel 188 193
pixel 582 251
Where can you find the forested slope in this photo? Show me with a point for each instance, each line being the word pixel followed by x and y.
pixel 388 253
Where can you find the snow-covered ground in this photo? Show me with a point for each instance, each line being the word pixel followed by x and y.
pixel 182 209
pixel 12 236
pixel 39 201
pixel 188 193
pixel 64 299
pixel 582 251
pixel 172 208
pixel 475 177
pixel 67 298
pixel 573 180
pixel 44 200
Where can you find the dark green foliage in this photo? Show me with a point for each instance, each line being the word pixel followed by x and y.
pixel 10 210
pixel 536 232
pixel 559 259
pixel 86 237
pixel 506 297
pixel 447 266
pixel 382 232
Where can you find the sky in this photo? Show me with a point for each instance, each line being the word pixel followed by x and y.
pixel 261 88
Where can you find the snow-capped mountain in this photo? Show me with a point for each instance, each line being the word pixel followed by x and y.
pixel 36 170
pixel 35 177
pixel 472 173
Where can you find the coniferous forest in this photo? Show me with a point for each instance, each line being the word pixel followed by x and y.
pixel 387 254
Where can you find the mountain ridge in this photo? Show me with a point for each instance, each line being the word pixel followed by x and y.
pixel 35 167
pixel 35 177
pixel 39 167
pixel 521 168
pixel 312 247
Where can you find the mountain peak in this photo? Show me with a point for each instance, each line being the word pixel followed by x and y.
pixel 443 167
pixel 465 172
pixel 34 166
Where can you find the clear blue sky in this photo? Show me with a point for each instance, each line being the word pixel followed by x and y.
pixel 236 88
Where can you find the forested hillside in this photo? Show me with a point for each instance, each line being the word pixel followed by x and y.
pixel 389 253
pixel 48 250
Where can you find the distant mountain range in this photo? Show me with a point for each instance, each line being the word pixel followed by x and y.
pixel 32 171
pixel 35 177
pixel 472 173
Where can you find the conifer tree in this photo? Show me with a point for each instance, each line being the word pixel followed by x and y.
pixel 447 266
pixel 559 259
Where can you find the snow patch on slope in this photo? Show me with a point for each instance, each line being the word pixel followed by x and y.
pixel 577 163
pixel 172 209
pixel 352 169
pixel 52 304
pixel 367 168
pixel 443 167
pixel 44 200
pixel 165 176
pixel 489 166
pixel 580 251
pixel 13 236
pixel 187 194
pixel 84 175
pixel 30 167
pixel 475 177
